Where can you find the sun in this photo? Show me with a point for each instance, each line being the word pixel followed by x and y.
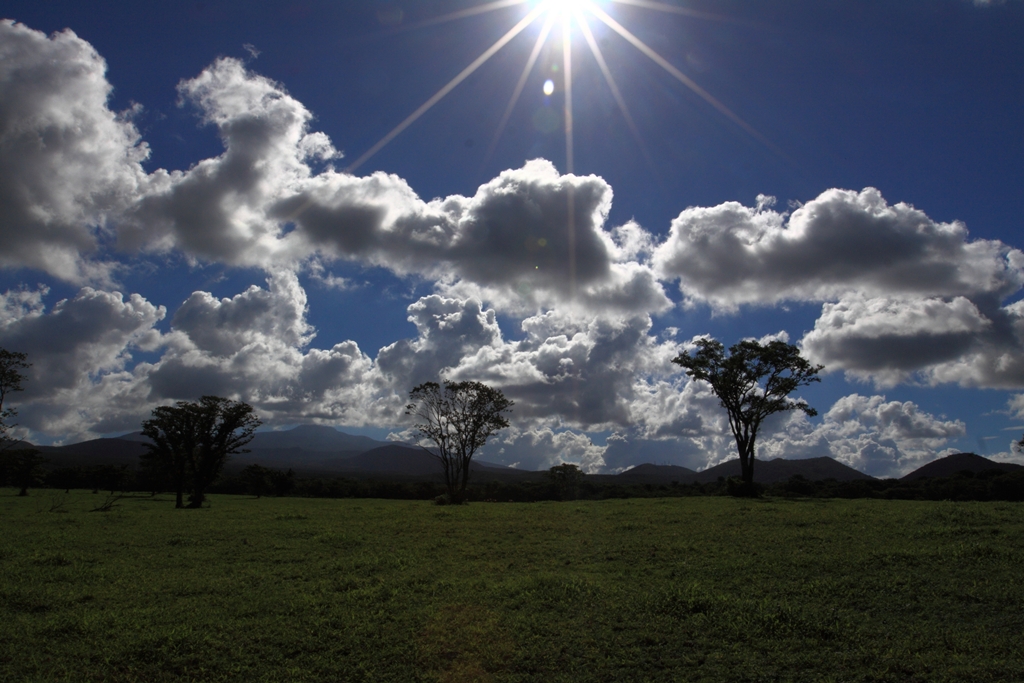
pixel 566 8
pixel 569 14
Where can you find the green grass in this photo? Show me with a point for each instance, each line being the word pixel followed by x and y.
pixel 691 589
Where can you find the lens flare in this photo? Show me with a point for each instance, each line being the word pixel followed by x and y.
pixel 567 13
pixel 566 7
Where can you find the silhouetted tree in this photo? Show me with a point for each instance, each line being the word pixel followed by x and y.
pixel 256 479
pixel 458 417
pixel 26 469
pixel 11 365
pixel 283 482
pixel 173 433
pixel 193 440
pixel 566 478
pixel 752 382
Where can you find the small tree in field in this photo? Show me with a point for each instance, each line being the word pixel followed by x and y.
pixel 566 478
pixel 752 382
pixel 256 479
pixel 24 466
pixel 191 441
pixel 26 469
pixel 12 363
pixel 458 417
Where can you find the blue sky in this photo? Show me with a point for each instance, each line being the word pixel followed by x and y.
pixel 179 215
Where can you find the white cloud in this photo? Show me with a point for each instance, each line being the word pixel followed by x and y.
pixel 868 433
pixel 581 372
pixel 840 243
pixel 1015 405
pixel 81 352
pixel 540 448
pixel 67 162
pixel 529 238
pixel 888 340
pixel 216 211
pixel 224 327
pixel 565 376
pixel 250 347
pixel 508 244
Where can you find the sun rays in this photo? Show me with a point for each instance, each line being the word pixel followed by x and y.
pixel 571 16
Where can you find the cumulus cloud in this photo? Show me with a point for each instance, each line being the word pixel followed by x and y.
pixel 226 326
pixel 582 372
pixel 994 361
pixel 838 244
pixel 539 448
pixel 80 352
pixel 566 377
pixel 84 380
pixel 67 162
pixel 250 347
pixel 253 347
pixel 905 298
pixel 529 238
pixel 216 210
pixel 1015 406
pixel 868 433
pixel 890 340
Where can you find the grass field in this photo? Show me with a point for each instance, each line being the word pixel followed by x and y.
pixel 691 589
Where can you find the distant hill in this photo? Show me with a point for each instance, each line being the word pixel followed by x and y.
pixel 655 474
pixel 390 459
pixel 959 462
pixel 325 451
pixel 780 469
pixel 318 438
pixel 298 459
pixel 304 448
pixel 314 438
pixel 408 461
pixel 93 452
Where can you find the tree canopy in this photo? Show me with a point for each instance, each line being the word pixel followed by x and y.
pixel 752 382
pixel 458 418
pixel 191 441
pixel 12 365
pixel 566 479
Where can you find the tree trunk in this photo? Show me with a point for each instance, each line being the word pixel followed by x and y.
pixel 747 468
pixel 449 479
pixel 464 482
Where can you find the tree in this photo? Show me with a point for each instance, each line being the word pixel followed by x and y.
pixel 752 382
pixel 256 479
pixel 11 365
pixel 458 417
pixel 283 482
pixel 173 433
pixel 191 441
pixel 566 478
pixel 26 469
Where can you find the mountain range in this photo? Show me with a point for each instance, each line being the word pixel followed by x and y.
pixel 314 450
